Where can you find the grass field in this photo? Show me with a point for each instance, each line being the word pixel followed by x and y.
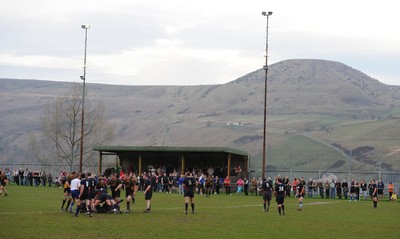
pixel 34 212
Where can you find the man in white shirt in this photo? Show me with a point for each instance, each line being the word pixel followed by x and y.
pixel 75 186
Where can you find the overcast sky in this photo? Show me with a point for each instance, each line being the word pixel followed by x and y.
pixel 184 42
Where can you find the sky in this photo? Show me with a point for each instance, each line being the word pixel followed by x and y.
pixel 184 42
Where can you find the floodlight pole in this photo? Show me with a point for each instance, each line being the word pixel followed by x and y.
pixel 85 27
pixel 267 14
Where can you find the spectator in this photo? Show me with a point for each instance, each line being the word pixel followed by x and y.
pixel 327 189
pixel 345 187
pixel 310 188
pixel 16 176
pixel 364 187
pixel 381 187
pixel 338 186
pixel 181 179
pixel 286 182
pixel 44 179
pixel 320 186
pixel 49 179
pixel 253 183
pixel 215 185
pixel 21 176
pixel 353 192
pixel 239 184
pixel 246 186
pixel 390 189
pixel 227 184
pixel 332 186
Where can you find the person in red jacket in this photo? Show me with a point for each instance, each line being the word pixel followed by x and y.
pixel 227 184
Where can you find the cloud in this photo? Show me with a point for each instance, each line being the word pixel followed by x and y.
pixel 186 42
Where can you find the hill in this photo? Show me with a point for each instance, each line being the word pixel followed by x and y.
pixel 319 112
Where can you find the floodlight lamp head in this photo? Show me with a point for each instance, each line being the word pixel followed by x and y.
pixel 266 13
pixel 85 26
pixel 82 77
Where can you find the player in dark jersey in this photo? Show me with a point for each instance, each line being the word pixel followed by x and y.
pixel 103 202
pixel 165 183
pixel 189 186
pixel 87 193
pixel 280 194
pixel 148 192
pixel 353 190
pixel 300 193
pixel 374 193
pixel 266 187
pixel 130 186
pixel 3 183
pixel 115 187
pixel 208 185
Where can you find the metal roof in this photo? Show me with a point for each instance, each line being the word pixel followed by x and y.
pixel 120 149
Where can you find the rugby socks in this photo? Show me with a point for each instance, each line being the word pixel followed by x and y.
pixel 265 206
pixel 300 205
pixel 78 208
pixel 186 207
pixel 279 209
pixel 375 204
pixel 128 206
pixel 133 201
pixel 68 202
pixel 90 210
pixel 63 203
pixel 71 206
pixel 192 207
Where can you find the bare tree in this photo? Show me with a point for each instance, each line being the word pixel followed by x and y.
pixel 62 127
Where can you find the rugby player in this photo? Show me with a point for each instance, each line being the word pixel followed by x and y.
pixel 130 184
pixel 3 183
pixel 300 193
pixel 148 192
pixel 374 194
pixel 115 187
pixel 65 182
pixel 86 194
pixel 189 186
pixel 266 188
pixel 280 194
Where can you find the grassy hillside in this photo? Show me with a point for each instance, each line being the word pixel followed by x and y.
pixel 315 108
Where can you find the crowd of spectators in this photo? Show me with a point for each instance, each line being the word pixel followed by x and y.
pixel 213 180
pixel 27 177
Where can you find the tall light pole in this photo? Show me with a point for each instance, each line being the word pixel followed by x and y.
pixel 85 27
pixel 266 14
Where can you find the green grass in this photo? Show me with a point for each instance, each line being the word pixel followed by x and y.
pixel 34 212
